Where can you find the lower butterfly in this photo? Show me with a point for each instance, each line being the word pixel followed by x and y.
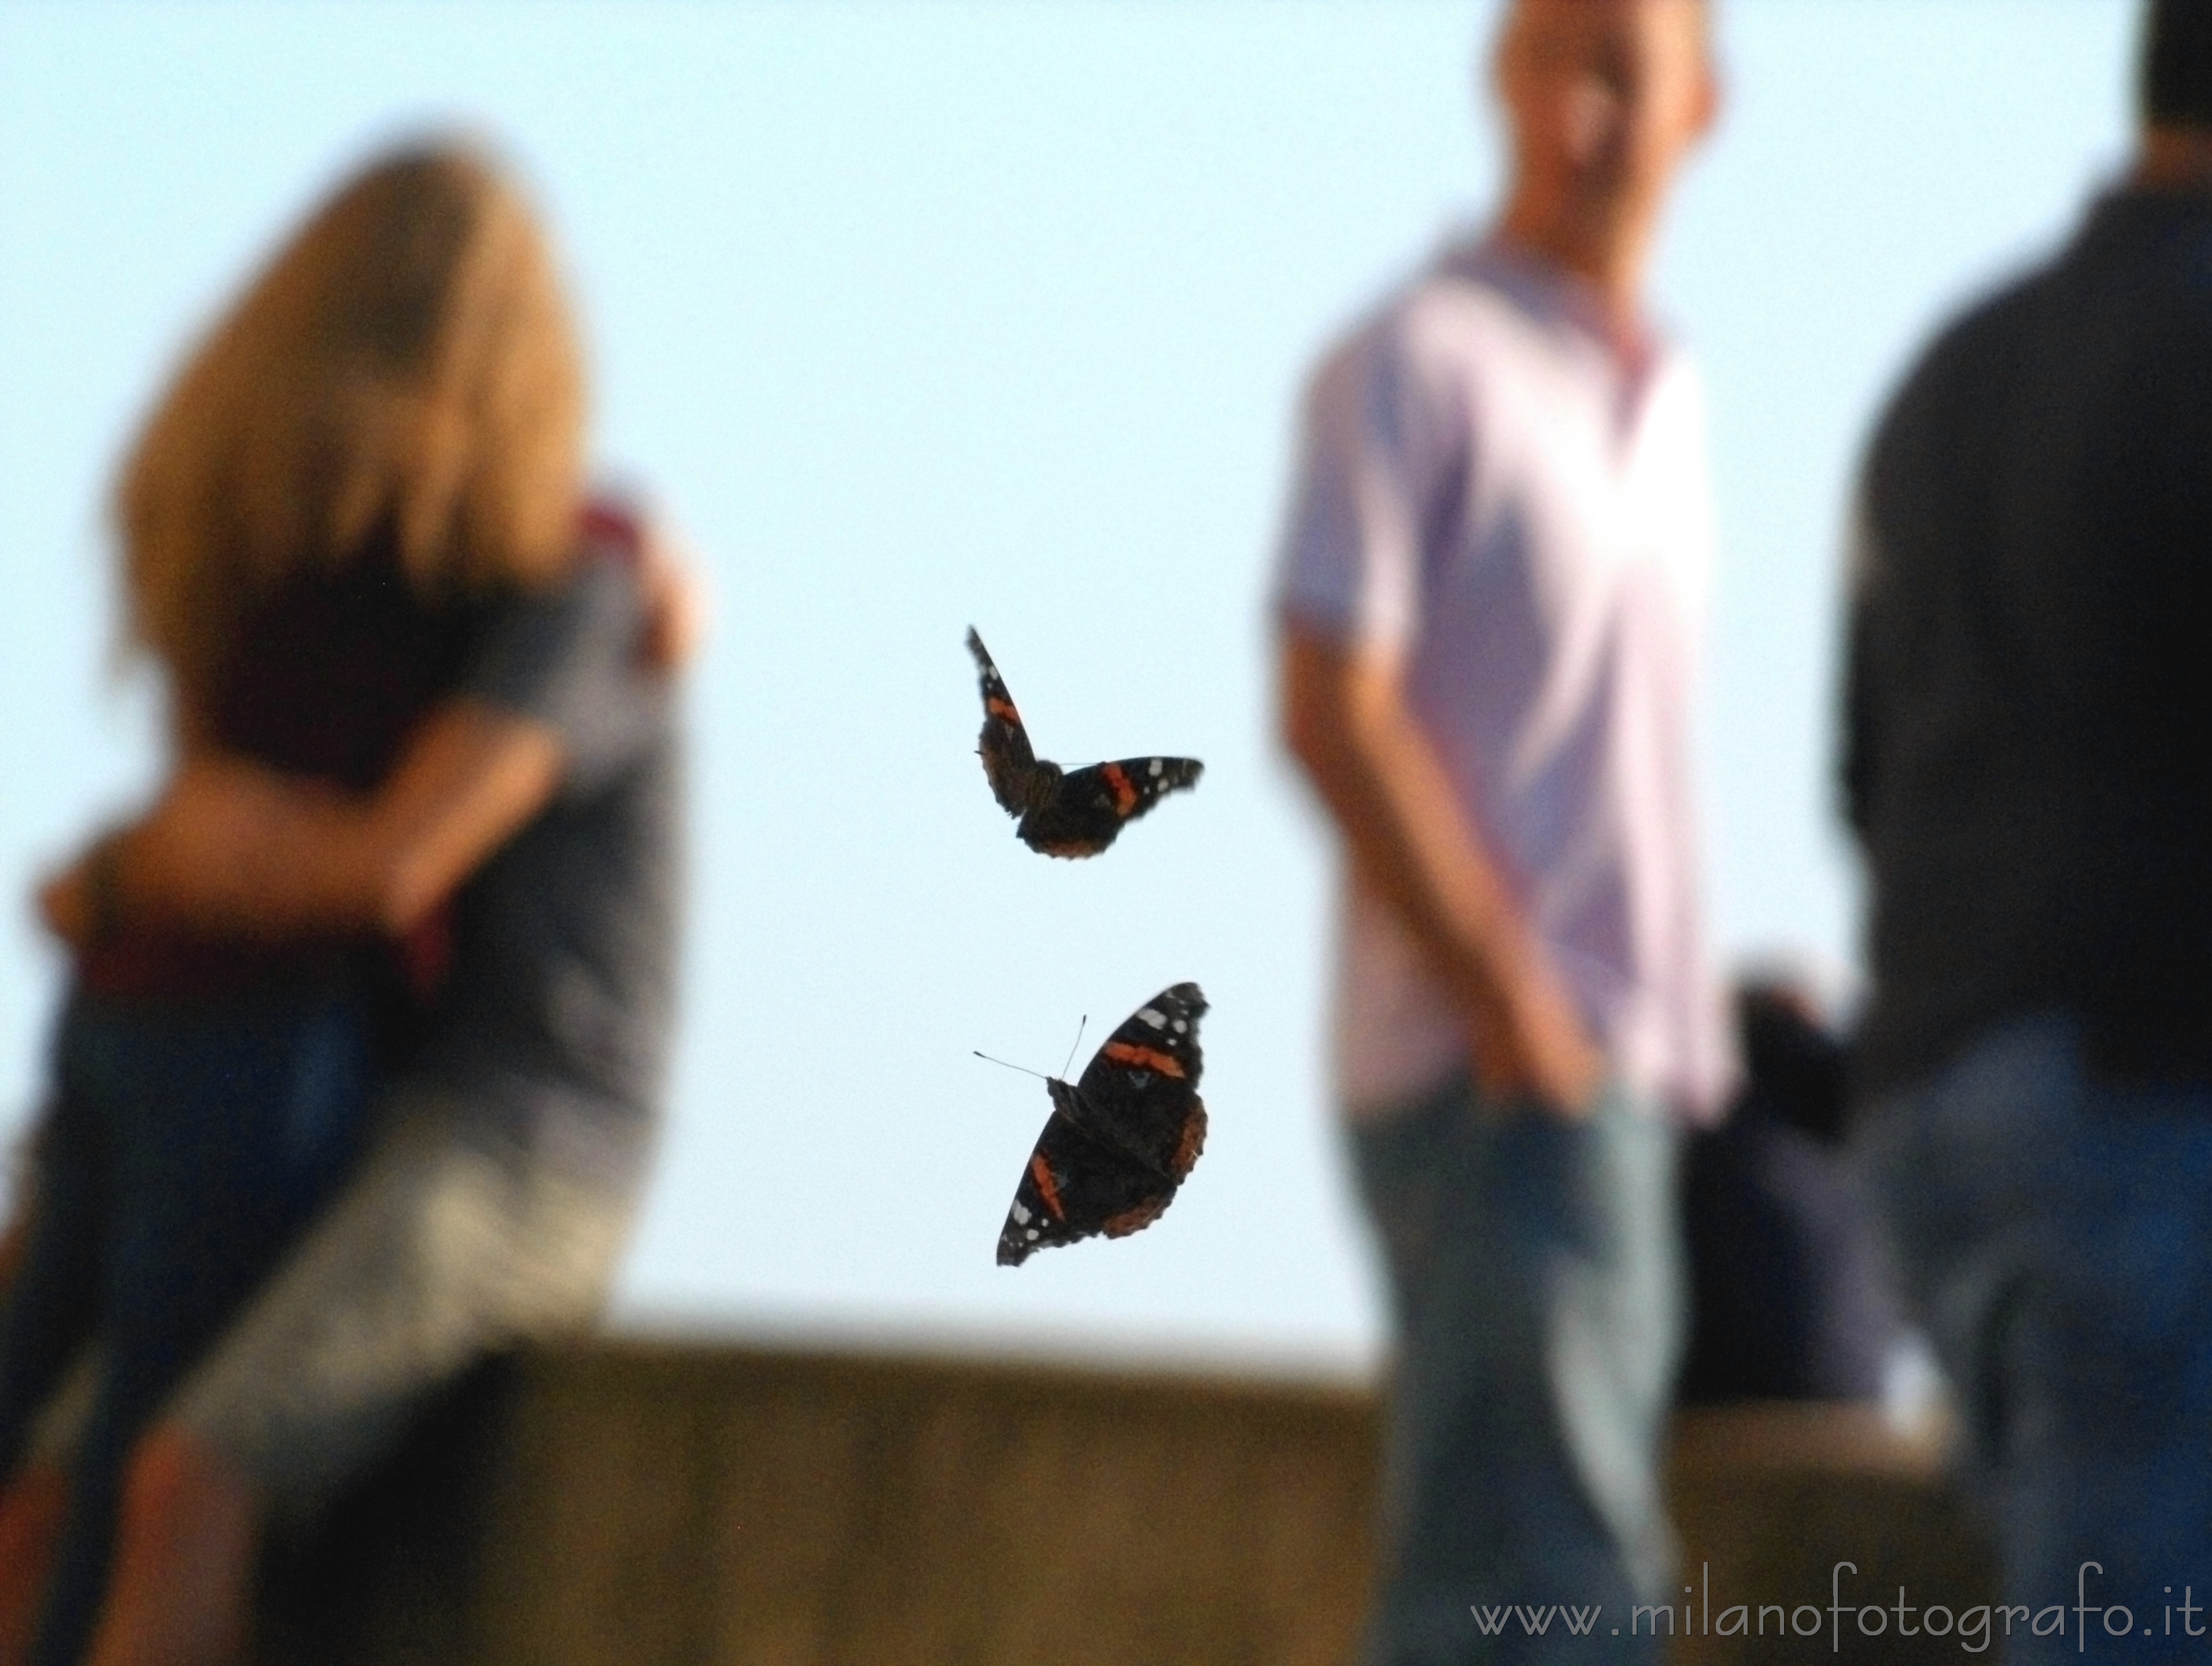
pixel 1122 1137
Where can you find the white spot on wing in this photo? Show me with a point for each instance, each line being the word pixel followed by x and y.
pixel 1021 1215
pixel 1157 766
pixel 1030 1235
pixel 1182 1026
pixel 1156 1019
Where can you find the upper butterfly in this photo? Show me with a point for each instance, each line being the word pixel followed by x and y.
pixel 1065 812
pixel 1120 1141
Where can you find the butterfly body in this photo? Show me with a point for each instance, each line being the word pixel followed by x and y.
pixel 1121 1138
pixel 1064 812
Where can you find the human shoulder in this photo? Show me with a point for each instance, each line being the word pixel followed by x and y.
pixel 593 612
pixel 571 655
pixel 1966 365
pixel 1412 363
pixel 599 598
pixel 1441 320
pixel 1935 430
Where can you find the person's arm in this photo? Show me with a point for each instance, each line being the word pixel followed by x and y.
pixel 1389 442
pixel 13 1237
pixel 19 1195
pixel 233 848
pixel 1859 740
pixel 1344 719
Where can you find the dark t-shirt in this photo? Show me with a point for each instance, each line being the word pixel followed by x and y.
pixel 554 1018
pixel 333 671
pixel 2029 747
pixel 327 677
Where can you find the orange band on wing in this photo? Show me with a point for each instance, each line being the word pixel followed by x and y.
pixel 1125 795
pixel 1127 1053
pixel 1192 1142
pixel 1040 1172
pixel 1005 709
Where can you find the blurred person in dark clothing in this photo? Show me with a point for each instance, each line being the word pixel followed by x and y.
pixel 2027 730
pixel 1788 1299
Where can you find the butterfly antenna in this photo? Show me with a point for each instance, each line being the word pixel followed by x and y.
pixel 1078 1047
pixel 1002 1065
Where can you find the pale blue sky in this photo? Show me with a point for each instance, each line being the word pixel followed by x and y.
pixel 922 314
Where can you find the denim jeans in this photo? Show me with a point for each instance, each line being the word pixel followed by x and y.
pixel 182 1153
pixel 2054 1234
pixel 1536 1283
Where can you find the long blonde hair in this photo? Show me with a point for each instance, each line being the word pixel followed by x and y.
pixel 408 362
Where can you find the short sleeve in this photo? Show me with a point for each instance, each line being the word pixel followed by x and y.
pixel 569 658
pixel 1380 450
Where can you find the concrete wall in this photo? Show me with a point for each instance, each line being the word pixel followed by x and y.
pixel 628 1504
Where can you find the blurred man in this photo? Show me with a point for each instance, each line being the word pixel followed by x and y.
pixel 1488 601
pixel 2029 766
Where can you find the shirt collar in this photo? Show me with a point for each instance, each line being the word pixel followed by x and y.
pixel 1548 291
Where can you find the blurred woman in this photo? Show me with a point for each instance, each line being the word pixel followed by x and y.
pixel 397 643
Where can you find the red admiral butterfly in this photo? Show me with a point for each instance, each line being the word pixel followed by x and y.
pixel 1065 812
pixel 1120 1140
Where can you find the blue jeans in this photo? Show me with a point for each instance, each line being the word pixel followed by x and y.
pixel 1535 1272
pixel 182 1151
pixel 2055 1236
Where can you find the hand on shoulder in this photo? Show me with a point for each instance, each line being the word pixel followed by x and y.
pixel 672 587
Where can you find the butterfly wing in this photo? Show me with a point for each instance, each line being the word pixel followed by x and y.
pixel 1089 807
pixel 1009 762
pixel 1139 1091
pixel 1076 1186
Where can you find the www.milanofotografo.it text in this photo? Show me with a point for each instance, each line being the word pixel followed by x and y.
pixel 1846 1615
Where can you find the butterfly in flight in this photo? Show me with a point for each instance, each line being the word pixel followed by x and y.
pixel 1120 1138
pixel 1064 812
